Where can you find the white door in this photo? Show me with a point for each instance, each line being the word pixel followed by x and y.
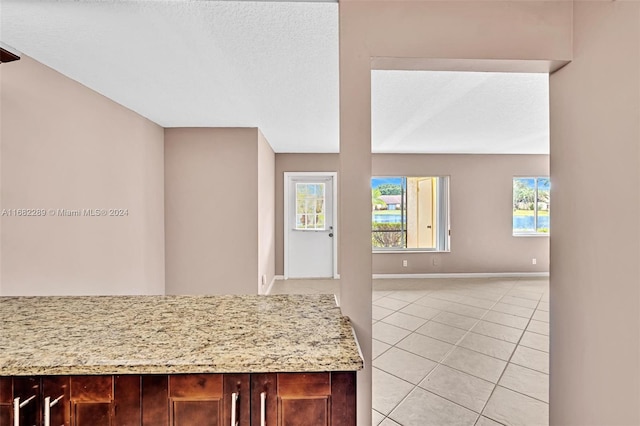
pixel 309 225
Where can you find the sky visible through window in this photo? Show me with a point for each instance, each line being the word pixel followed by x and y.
pixel 377 181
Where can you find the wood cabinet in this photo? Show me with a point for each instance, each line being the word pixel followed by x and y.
pixel 22 396
pixel 91 401
pixel 283 399
pixel 208 399
pixel 314 399
pixel 56 400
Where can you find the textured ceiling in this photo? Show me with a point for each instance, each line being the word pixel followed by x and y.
pixel 249 64
pixel 272 65
pixel 460 112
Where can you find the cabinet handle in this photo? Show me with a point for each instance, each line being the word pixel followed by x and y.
pixel 234 402
pixel 47 408
pixel 17 405
pixel 263 409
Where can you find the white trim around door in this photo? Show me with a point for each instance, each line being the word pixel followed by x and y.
pixel 288 177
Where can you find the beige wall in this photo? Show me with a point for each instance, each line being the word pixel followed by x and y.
pixel 480 190
pixel 595 247
pixel 468 30
pixel 481 238
pixel 66 147
pixel 214 237
pixel 266 213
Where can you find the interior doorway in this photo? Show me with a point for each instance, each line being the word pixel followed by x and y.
pixel 464 340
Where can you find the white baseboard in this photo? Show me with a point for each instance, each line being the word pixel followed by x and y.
pixel 465 275
pixel 270 287
pixel 282 277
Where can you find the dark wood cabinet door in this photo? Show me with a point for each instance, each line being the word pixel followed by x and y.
pixel 316 399
pixel 240 385
pixel 5 415
pixel 155 397
pixel 304 397
pixel 264 398
pixel 343 398
pixel 40 397
pixel 127 400
pixel 55 400
pixel 91 400
pixel 196 400
pixel 6 401
pixel 27 390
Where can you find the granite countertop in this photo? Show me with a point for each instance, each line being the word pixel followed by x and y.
pixel 174 334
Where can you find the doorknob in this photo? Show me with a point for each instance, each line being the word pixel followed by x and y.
pixel 330 234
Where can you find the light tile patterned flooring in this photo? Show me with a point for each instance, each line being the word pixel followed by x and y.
pixel 456 351
pixel 461 352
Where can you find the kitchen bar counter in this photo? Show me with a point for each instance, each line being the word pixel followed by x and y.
pixel 104 335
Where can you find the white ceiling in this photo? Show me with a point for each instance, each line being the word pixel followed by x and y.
pixel 459 112
pixel 272 65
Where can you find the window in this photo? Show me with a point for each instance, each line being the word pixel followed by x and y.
pixel 531 206
pixel 310 206
pixel 410 213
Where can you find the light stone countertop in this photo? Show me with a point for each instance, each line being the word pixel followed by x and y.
pixel 174 334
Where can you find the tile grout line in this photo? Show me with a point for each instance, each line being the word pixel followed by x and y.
pixel 522 330
pixel 499 378
pixel 430 372
pixel 455 345
pixel 508 362
pixel 414 386
pixel 439 363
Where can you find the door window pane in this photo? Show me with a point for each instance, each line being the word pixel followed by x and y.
pixel 310 205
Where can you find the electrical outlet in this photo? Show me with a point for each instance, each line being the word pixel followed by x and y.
pixel 404 263
pixel 534 261
pixel 436 261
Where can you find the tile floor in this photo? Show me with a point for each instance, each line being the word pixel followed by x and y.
pixel 456 351
pixel 460 352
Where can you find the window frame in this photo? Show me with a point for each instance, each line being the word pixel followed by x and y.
pixel 534 233
pixel 443 225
